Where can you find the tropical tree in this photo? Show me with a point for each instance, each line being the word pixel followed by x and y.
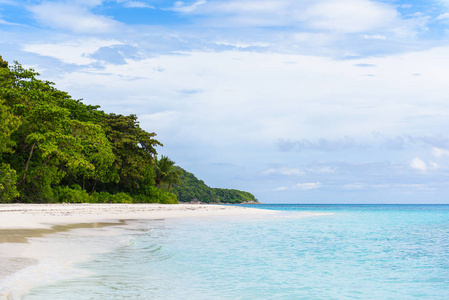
pixel 166 172
pixel 8 176
pixel 49 142
pixel 55 148
pixel 134 151
pixel 8 123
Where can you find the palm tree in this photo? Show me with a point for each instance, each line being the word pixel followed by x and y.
pixel 166 172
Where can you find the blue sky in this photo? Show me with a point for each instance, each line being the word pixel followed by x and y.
pixel 296 101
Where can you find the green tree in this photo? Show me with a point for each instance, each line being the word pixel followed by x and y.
pixel 8 124
pixel 166 172
pixel 191 188
pixel 134 150
pixel 8 177
pixel 3 64
pixel 49 142
pixel 8 181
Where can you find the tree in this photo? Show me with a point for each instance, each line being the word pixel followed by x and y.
pixel 55 148
pixel 8 181
pixel 3 64
pixel 49 142
pixel 134 150
pixel 8 177
pixel 166 172
pixel 8 124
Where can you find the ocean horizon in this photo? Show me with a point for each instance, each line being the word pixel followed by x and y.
pixel 305 251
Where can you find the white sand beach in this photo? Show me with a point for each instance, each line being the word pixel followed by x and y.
pixel 28 234
pixel 15 216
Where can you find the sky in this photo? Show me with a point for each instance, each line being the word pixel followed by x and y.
pixel 295 101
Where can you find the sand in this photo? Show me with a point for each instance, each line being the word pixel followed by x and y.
pixel 33 216
pixel 21 224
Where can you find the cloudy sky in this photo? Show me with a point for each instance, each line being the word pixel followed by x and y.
pixel 296 101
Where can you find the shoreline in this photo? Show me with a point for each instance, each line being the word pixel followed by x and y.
pixel 24 227
pixel 34 216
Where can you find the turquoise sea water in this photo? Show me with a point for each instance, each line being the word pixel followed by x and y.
pixel 352 252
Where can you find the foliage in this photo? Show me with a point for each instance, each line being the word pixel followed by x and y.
pixel 155 195
pixel 8 179
pixel 134 150
pixel 192 189
pixel 8 124
pixel 57 149
pixel 234 196
pixel 71 195
pixel 50 142
pixel 166 173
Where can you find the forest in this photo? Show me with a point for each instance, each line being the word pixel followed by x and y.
pixel 189 188
pixel 57 149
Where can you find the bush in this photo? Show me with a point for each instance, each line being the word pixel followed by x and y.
pixel 8 179
pixel 151 194
pixel 101 197
pixel 121 198
pixel 71 195
pixel 104 197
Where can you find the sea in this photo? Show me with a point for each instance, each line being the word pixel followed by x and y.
pixel 299 252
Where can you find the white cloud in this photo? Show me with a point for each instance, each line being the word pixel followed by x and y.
pixel 381 186
pixel 437 152
pixel 286 171
pixel 279 189
pixel 183 8
pixel 374 36
pixel 350 16
pixel 337 16
pixel 72 17
pixel 321 144
pixel 322 170
pixel 246 7
pixel 308 185
pixel 444 16
pixel 137 4
pixel 315 98
pixel 353 186
pixel 242 45
pixel 418 164
pixel 74 52
pixel 3 22
pixel 417 186
pixel 434 165
pixel 87 3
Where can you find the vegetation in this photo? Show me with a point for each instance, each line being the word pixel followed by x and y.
pixel 191 189
pixel 166 172
pixel 56 149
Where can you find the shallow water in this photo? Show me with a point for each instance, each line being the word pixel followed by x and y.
pixel 355 252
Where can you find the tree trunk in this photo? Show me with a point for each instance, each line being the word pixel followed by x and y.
pixel 94 187
pixel 27 165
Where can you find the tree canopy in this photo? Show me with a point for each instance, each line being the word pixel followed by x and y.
pixel 191 189
pixel 56 149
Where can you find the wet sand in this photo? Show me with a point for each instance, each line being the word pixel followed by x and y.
pixel 21 223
